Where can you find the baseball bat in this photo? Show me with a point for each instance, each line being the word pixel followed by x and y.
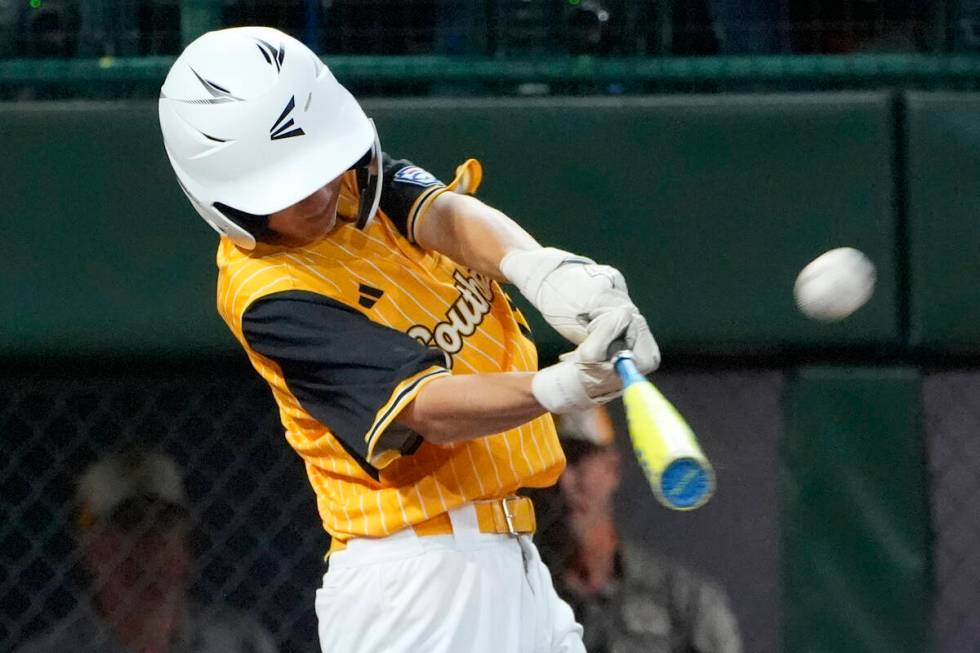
pixel 665 446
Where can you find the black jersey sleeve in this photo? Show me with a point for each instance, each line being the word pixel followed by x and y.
pixel 404 189
pixel 351 374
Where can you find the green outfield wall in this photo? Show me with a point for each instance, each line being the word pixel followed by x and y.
pixel 944 220
pixel 709 204
pixel 856 513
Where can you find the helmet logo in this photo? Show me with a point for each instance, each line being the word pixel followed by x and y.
pixel 273 56
pixel 219 95
pixel 278 129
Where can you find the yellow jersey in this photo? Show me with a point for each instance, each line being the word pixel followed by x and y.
pixel 347 331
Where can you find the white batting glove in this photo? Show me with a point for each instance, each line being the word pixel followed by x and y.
pixel 585 377
pixel 639 340
pixel 564 288
pixel 570 291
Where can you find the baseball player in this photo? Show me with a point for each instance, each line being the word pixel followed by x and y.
pixel 366 293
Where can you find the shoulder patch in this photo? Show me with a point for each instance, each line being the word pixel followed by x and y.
pixel 415 175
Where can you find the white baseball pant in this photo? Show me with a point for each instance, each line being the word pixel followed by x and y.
pixel 469 592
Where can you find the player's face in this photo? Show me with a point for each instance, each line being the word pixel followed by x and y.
pixel 310 219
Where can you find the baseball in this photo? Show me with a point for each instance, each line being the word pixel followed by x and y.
pixel 835 284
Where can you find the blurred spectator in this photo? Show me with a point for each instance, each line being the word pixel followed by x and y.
pixel 628 598
pixel 133 520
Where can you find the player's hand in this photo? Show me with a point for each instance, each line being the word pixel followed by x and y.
pixel 639 340
pixel 585 377
pixel 570 291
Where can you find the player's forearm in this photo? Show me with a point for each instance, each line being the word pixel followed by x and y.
pixel 472 233
pixel 467 406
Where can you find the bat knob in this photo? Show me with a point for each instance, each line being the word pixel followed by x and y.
pixel 686 483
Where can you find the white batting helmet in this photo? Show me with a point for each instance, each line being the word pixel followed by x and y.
pixel 254 122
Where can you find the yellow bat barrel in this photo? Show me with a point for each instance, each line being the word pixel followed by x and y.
pixel 668 452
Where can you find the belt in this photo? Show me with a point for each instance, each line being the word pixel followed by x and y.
pixel 507 516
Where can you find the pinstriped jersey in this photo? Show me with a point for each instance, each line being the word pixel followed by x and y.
pixel 347 331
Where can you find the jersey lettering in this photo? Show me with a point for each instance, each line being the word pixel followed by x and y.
pixel 462 318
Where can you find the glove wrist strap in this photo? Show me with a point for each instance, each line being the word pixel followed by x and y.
pixel 528 268
pixel 559 389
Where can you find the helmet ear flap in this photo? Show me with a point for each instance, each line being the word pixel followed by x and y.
pixel 257 226
pixel 224 225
